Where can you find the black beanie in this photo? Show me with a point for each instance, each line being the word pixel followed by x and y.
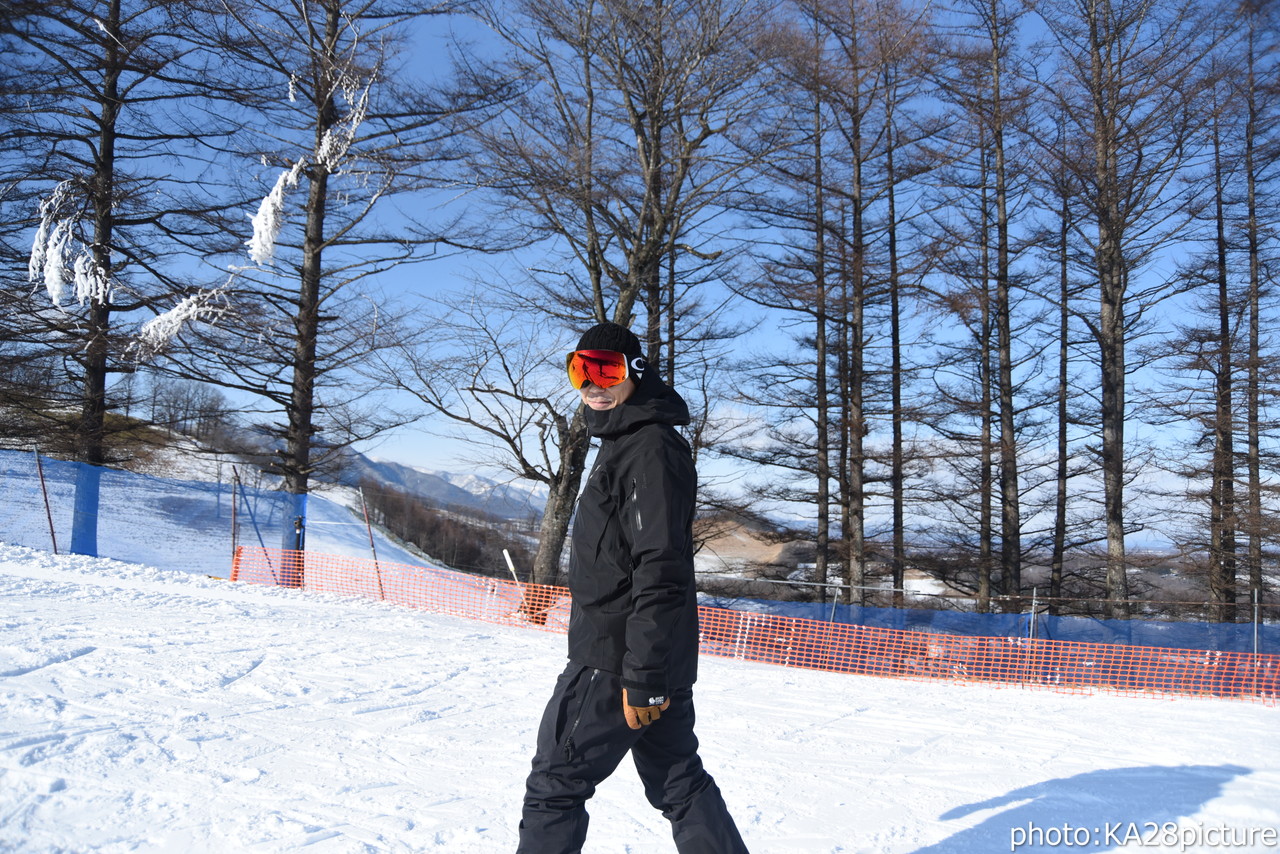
pixel 610 336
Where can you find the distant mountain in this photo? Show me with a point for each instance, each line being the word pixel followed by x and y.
pixel 471 491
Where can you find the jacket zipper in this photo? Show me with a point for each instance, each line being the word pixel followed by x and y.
pixel 635 505
pixel 586 696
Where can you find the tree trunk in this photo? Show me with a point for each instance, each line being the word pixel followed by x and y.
pixel 1111 321
pixel 301 410
pixel 854 287
pixel 897 560
pixel 823 404
pixel 91 431
pixel 1010 512
pixel 300 415
pixel 1222 582
pixel 574 444
pixel 986 403
pixel 1253 440
pixel 1058 556
pixel 855 423
pixel 1112 360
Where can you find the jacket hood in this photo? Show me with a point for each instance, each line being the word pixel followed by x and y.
pixel 653 402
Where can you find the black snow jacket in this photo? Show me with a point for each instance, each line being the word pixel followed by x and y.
pixel 634 609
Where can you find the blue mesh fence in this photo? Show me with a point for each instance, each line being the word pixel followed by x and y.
pixel 138 518
pixel 1225 637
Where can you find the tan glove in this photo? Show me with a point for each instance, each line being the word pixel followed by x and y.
pixel 638 716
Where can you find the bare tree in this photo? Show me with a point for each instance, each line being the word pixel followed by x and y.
pixel 334 130
pixel 793 389
pixel 99 100
pixel 843 77
pixel 1062 293
pixel 1128 89
pixel 621 144
pixel 1257 53
pixel 483 369
pixel 980 250
pixel 906 53
pixel 1212 357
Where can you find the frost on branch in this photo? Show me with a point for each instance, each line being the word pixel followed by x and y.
pixel 337 140
pixel 92 284
pixel 59 259
pixel 156 334
pixel 269 219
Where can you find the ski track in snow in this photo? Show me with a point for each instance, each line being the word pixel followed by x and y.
pixel 144 710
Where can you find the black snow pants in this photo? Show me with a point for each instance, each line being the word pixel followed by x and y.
pixel 583 737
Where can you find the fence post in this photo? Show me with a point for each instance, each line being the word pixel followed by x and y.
pixel 235 479
pixel 1031 636
pixel 372 547
pixel 295 560
pixel 47 511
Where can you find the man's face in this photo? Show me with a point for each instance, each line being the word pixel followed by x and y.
pixel 601 399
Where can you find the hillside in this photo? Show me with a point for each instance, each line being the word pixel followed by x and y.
pixel 187 520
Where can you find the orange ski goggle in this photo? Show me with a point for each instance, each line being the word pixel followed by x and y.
pixel 602 368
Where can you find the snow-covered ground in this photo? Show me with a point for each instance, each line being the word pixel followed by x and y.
pixel 156 710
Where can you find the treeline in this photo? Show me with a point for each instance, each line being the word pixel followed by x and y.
pixel 990 279
pixel 1028 265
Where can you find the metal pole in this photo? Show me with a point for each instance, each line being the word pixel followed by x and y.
pixel 1257 619
pixel 368 527
pixel 1031 636
pixel 235 479
pixel 372 547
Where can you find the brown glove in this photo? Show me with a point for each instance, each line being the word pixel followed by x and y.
pixel 638 716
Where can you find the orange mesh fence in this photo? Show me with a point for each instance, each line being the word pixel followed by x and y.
pixel 440 591
pixel 1068 666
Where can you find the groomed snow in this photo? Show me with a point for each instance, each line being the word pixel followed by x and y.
pixel 151 710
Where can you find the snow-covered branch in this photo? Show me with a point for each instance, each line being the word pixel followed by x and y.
pixel 208 306
pixel 269 219
pixel 58 258
pixel 329 154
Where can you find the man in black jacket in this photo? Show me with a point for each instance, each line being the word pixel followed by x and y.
pixel 633 623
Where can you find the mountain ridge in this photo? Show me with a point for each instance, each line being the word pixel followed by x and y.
pixel 469 490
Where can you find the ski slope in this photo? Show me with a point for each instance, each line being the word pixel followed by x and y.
pixel 145 710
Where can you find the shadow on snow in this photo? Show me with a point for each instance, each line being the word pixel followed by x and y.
pixel 1102 807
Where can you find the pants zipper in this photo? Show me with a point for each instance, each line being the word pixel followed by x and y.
pixel 586 697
